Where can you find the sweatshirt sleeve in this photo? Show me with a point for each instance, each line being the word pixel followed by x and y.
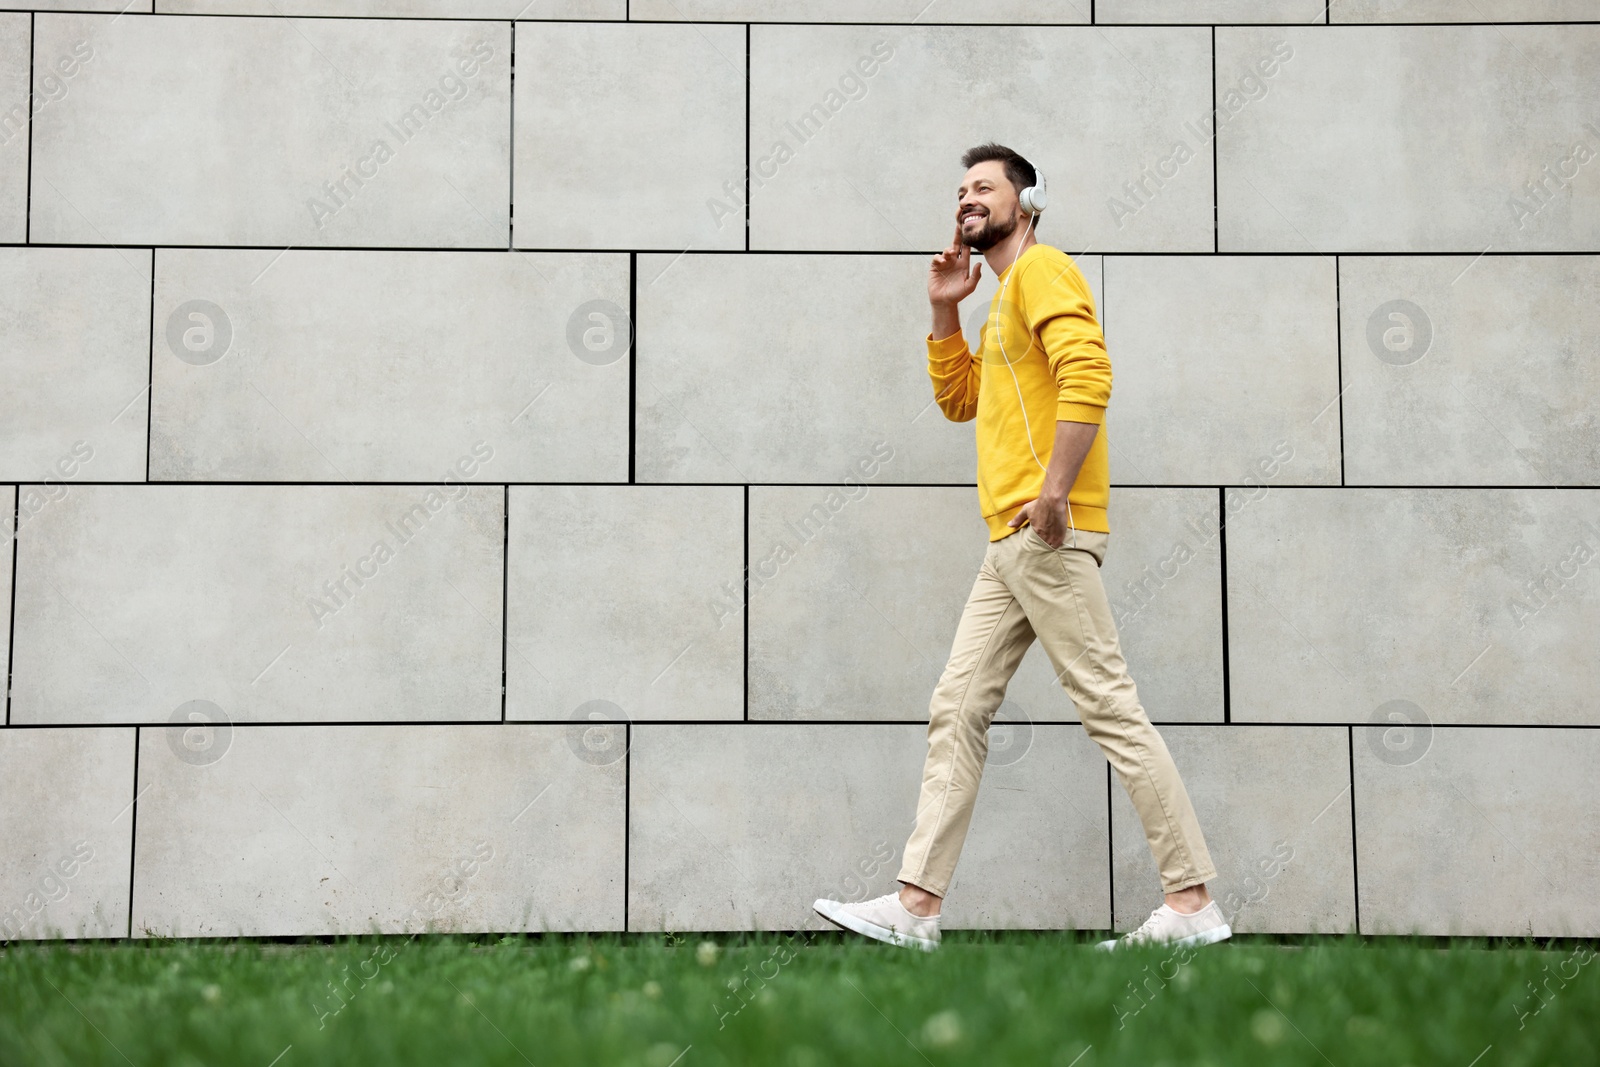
pixel 1060 308
pixel 956 374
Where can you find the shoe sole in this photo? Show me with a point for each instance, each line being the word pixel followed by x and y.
pixel 1204 937
pixel 847 921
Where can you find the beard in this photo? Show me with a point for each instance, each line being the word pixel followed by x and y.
pixel 989 234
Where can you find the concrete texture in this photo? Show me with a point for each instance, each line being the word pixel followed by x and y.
pixel 295 132
pixel 659 472
pixel 1274 806
pixel 409 9
pixel 1415 155
pixel 287 604
pixel 592 170
pixel 742 827
pixel 1013 12
pixel 855 594
pixel 14 108
pixel 118 6
pixel 352 829
pixel 1374 11
pixel 387 366
pixel 77 361
pixel 1461 370
pixel 1233 380
pixel 8 522
pixel 625 601
pixel 735 387
pixel 1212 11
pixel 1476 606
pixel 1456 836
pixel 1132 90
pixel 65 868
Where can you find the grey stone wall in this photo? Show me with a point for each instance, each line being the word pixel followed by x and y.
pixel 517 503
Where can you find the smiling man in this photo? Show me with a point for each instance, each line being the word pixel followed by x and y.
pixel 1038 387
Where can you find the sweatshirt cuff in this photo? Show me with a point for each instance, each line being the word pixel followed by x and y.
pixel 954 345
pixel 1069 411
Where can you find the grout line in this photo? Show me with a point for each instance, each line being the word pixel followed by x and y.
pixel 1216 132
pixel 633 366
pixel 1222 549
pixel 150 373
pixel 505 586
pixel 11 628
pixel 745 657
pixel 1111 853
pixel 371 484
pixel 807 24
pixel 27 208
pixel 747 137
pixel 511 152
pixel 1355 862
pixel 1338 350
pixel 1391 253
pixel 133 827
pixel 1276 724
pixel 627 816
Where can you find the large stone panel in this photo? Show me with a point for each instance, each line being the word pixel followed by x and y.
pixel 1470 371
pixel 735 387
pixel 75 354
pixel 1463 605
pixel 264 603
pixel 630 136
pixel 856 592
pixel 742 826
pixel 1225 368
pixel 14 107
pixel 1501 11
pixel 1274 807
pixel 389 366
pixel 1440 146
pixel 355 829
pixel 1005 12
pixel 1477 832
pixel 68 827
pixel 1211 11
pixel 769 368
pixel 12 492
pixel 302 132
pixel 409 9
pixel 625 601
pixel 847 153
pixel 117 6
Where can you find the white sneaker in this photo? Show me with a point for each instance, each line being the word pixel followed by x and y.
pixel 1166 926
pixel 884 918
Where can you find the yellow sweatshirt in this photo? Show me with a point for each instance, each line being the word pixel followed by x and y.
pixel 1054 344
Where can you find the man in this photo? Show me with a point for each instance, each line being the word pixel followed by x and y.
pixel 1038 388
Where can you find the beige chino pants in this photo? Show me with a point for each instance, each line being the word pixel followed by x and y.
pixel 1026 588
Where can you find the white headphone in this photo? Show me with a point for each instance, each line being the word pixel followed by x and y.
pixel 1032 200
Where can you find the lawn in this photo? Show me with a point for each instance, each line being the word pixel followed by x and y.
pixel 808 1000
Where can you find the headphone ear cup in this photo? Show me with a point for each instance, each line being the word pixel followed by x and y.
pixel 1032 199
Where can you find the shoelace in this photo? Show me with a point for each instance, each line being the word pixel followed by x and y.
pixel 1146 928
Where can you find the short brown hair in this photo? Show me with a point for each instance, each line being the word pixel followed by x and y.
pixel 1018 170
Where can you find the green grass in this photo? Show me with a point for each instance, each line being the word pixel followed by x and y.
pixel 1044 1000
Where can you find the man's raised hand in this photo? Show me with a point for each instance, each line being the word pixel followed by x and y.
pixel 953 275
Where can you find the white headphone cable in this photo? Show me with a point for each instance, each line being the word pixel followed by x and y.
pixel 1006 358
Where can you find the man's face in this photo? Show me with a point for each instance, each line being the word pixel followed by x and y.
pixel 987 206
